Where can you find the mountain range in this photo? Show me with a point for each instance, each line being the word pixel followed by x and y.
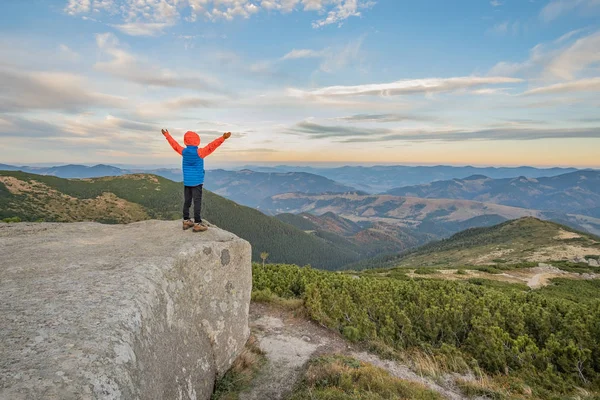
pixel 438 217
pixel 578 192
pixel 375 179
pixel 379 179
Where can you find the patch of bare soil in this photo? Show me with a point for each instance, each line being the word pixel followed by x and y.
pixel 561 252
pixel 290 342
pixel 535 278
pixel 562 235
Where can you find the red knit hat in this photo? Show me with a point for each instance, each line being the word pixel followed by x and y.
pixel 191 139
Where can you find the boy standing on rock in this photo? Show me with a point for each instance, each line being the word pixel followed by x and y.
pixel 193 173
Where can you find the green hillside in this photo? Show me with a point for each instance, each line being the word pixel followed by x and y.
pixel 130 198
pixel 524 239
pixel 520 344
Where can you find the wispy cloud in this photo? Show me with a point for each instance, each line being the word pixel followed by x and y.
pixel 127 66
pixel 406 87
pixel 332 59
pixel 345 134
pixel 24 91
pixel 496 3
pixel 558 8
pixel 582 85
pixel 142 28
pixel 303 53
pixel 385 118
pixel 318 131
pixel 506 28
pixel 563 58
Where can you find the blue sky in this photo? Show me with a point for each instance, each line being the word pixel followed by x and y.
pixel 300 81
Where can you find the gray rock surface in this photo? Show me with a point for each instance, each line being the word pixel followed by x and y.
pixel 139 311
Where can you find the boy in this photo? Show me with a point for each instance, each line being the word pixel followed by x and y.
pixel 193 173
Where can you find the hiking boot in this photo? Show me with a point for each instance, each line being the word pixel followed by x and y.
pixel 187 224
pixel 199 228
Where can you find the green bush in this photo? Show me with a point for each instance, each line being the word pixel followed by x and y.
pixel 351 333
pixel 425 271
pixel 11 220
pixel 552 343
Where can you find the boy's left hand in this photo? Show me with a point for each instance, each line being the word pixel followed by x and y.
pixel 226 135
pixel 164 131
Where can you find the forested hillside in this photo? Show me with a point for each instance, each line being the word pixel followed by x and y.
pixel 132 198
pixel 368 238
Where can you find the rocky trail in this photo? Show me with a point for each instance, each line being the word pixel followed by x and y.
pixel 289 342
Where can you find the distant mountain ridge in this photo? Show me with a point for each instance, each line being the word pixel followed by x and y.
pixel 381 178
pixel 439 217
pixel 250 188
pixel 375 179
pixel 576 192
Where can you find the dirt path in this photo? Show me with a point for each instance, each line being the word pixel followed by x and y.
pixel 290 342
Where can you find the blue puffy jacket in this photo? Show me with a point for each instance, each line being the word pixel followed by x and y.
pixel 193 156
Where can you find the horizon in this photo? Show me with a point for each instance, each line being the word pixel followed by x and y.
pixel 343 82
pixel 324 165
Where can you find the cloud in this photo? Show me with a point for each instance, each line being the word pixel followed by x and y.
pixel 384 118
pixel 23 91
pixel 496 3
pixel 558 8
pixel 406 87
pixel 336 60
pixel 317 131
pixel 584 52
pixel 142 28
pixel 11 125
pixel 67 53
pixel 303 53
pixel 346 134
pixel 582 85
pixel 333 59
pixel 344 10
pixel 505 28
pixel 126 66
pixel 499 134
pixel 153 17
pixel 564 58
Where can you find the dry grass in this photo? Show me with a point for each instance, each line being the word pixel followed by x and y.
pixel 64 208
pixel 338 377
pixel 266 296
pixel 242 372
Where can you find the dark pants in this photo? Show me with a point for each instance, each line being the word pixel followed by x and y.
pixel 195 193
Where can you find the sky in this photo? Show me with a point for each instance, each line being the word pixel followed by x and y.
pixel 466 82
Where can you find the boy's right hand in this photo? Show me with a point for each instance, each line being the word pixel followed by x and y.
pixel 226 135
pixel 164 131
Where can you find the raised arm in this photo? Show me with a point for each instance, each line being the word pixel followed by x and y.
pixel 212 146
pixel 176 146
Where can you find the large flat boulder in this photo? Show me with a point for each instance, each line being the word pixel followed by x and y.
pixel 139 311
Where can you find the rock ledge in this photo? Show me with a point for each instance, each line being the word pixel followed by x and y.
pixel 138 311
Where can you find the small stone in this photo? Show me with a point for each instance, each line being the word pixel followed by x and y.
pixel 306 338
